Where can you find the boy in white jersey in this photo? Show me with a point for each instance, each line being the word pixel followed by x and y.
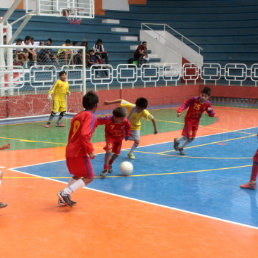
pixel 134 115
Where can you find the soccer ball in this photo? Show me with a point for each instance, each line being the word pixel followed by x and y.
pixel 126 168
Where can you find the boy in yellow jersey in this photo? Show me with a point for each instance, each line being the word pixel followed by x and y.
pixel 59 91
pixel 134 115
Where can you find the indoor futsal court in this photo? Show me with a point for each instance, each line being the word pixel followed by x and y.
pixel 174 82
pixel 170 200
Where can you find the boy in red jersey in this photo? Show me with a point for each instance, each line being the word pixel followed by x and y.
pixel 79 149
pixel 196 106
pixel 252 183
pixel 6 146
pixel 116 128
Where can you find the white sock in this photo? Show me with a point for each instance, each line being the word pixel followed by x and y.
pixel 182 138
pixel 71 181
pixel 74 186
pixel 135 145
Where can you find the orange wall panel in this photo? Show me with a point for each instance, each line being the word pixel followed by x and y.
pixel 98 8
pixel 137 1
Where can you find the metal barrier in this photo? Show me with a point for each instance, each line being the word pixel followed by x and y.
pixel 127 75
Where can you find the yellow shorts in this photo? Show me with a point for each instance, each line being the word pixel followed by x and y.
pixel 58 106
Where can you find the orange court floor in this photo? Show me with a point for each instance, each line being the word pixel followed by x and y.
pixel 105 225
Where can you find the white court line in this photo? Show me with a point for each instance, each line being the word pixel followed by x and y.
pixel 138 200
pixel 146 202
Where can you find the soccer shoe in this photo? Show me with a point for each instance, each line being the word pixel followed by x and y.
pixel 104 173
pixel 110 170
pixel 63 204
pixel 2 205
pixel 47 125
pixel 249 185
pixel 130 155
pixel 176 144
pixel 59 125
pixel 181 151
pixel 65 198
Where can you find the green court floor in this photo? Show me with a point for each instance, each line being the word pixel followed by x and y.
pixel 33 135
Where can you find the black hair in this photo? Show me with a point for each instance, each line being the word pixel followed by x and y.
pixel 99 41
pixel 119 112
pixel 27 38
pixel 75 42
pixel 90 100
pixel 68 41
pixel 31 38
pixel 206 90
pixel 144 42
pixel 91 50
pixel 61 73
pixel 49 40
pixel 142 103
pixel 18 40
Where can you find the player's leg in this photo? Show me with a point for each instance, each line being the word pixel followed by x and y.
pixel 62 110
pixel 54 110
pixel 252 183
pixel 134 136
pixel 108 148
pixel 60 117
pixel 2 205
pixel 116 152
pixel 83 174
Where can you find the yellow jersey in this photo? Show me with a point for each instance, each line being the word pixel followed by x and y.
pixel 60 90
pixel 134 117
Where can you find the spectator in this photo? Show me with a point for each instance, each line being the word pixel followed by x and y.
pixel 32 56
pixel 100 51
pixel 64 53
pixel 141 53
pixel 78 58
pixel 93 60
pixel 85 44
pixel 20 57
pixel 46 55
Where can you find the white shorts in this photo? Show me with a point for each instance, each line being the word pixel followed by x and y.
pixel 135 135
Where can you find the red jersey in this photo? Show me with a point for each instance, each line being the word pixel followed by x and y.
pixel 195 109
pixel 114 130
pixel 82 127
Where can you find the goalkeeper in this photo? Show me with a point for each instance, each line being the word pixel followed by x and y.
pixel 59 91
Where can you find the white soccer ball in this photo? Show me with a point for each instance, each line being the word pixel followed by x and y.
pixel 126 168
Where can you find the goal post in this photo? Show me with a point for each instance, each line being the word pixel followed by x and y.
pixel 29 71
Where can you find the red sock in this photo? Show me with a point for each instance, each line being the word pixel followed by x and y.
pixel 106 167
pixel 254 171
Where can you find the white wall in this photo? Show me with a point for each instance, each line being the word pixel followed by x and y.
pixel 160 42
pixel 6 3
pixel 120 5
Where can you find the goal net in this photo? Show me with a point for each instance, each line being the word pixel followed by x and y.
pixel 28 72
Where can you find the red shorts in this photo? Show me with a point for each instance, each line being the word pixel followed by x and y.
pixel 114 146
pixel 80 166
pixel 255 158
pixel 190 130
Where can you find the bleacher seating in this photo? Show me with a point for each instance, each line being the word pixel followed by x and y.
pixel 226 30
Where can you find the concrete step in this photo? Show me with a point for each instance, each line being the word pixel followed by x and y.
pixel 129 38
pixel 126 30
pixel 111 21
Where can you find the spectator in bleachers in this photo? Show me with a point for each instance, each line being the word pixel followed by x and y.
pixel 75 51
pixel 93 59
pixel 141 53
pixel 64 53
pixel 78 58
pixel 46 55
pixel 100 50
pixel 85 44
pixel 32 56
pixel 19 55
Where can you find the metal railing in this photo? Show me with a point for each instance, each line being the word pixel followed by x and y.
pixel 166 27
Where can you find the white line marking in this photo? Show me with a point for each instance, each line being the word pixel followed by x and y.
pixel 146 202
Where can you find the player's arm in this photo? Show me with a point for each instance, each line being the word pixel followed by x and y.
pixel 109 102
pixel 68 93
pixel 154 125
pixel 86 135
pixel 51 91
pixel 184 106
pixel 103 120
pixel 210 111
pixel 127 129
pixel 6 146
